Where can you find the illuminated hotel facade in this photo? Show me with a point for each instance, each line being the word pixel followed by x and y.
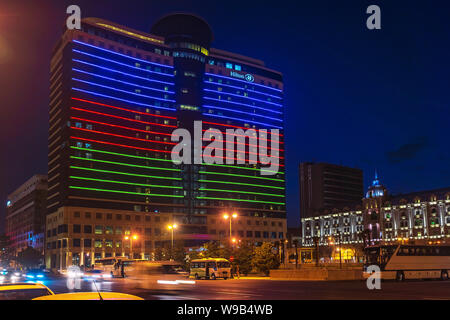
pixel 116 95
pixel 417 217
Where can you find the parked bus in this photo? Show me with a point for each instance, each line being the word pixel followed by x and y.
pixel 402 262
pixel 212 268
pixel 116 266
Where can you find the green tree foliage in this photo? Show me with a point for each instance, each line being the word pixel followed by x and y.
pixel 178 253
pixel 265 259
pixel 29 258
pixel 213 250
pixel 243 257
pixel 159 254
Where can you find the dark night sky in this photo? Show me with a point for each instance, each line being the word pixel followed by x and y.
pixel 369 99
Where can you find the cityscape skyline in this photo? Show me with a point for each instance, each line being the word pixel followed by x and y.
pixel 397 154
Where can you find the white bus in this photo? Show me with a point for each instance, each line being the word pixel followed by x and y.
pixel 115 266
pixel 402 262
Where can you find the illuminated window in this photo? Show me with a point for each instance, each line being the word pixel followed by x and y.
pixel 229 65
pixel 237 67
pixel 98 230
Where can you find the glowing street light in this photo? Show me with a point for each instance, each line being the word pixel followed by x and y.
pixel 233 216
pixel 133 237
pixel 172 227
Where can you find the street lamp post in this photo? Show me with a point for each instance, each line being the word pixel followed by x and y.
pixel 340 250
pixel 233 216
pixel 172 227
pixel 133 237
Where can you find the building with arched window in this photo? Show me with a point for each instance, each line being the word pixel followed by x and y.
pixel 417 217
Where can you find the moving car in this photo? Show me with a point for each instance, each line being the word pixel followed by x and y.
pixel 97 275
pixel 23 291
pixel 10 275
pixel 159 275
pixel 35 274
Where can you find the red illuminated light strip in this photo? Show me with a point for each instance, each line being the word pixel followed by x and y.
pixel 119 145
pixel 240 151
pixel 247 144
pixel 240 135
pixel 229 125
pixel 275 165
pixel 122 118
pixel 125 137
pixel 117 126
pixel 123 109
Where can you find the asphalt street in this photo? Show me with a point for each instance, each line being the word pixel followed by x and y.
pixel 266 289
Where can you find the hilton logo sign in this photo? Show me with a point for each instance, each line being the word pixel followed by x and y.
pixel 247 77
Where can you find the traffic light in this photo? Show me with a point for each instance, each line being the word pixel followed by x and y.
pixel 231 258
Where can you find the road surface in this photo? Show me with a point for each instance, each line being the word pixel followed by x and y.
pixel 266 289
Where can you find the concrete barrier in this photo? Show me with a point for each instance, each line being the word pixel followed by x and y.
pixel 316 274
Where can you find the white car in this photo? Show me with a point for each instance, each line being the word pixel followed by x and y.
pixel 97 275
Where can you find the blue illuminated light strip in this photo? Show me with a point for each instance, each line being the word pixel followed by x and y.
pixel 243 104
pixel 125 82
pixel 122 64
pixel 241 120
pixel 124 73
pixel 242 88
pixel 244 97
pixel 244 81
pixel 120 90
pixel 120 99
pixel 243 112
pixel 123 55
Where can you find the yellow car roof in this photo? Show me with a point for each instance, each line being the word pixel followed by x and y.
pixel 22 286
pixel 90 296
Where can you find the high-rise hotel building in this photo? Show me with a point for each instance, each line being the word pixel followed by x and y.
pixel 116 96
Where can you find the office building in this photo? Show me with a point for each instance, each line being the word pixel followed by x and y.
pixel 117 94
pixel 328 186
pixel 25 215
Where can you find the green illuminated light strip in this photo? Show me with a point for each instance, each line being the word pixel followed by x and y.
pixel 226 199
pixel 125 164
pixel 238 167
pixel 240 175
pixel 129 183
pixel 128 192
pixel 244 192
pixel 125 173
pixel 242 184
pixel 120 154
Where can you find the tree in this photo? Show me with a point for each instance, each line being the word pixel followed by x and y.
pixel 158 254
pixel 265 259
pixel 243 258
pixel 213 250
pixel 29 257
pixel 178 253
